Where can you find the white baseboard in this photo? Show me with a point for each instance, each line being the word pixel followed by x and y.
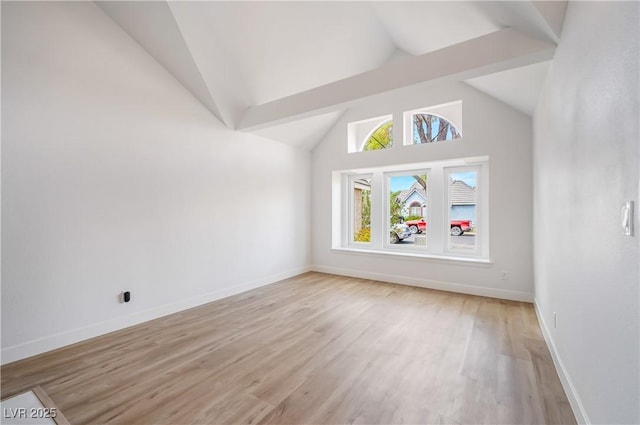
pixel 42 345
pixel 428 283
pixel 574 399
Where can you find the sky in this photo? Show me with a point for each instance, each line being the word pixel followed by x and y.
pixel 401 182
pixel 405 182
pixel 469 177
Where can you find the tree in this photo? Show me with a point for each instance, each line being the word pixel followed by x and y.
pixel 443 129
pixel 382 138
pixel 395 208
pixel 424 125
pixel 365 213
pixel 363 229
pixel 422 181
pixel 454 132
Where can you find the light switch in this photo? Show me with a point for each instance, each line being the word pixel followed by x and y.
pixel 627 218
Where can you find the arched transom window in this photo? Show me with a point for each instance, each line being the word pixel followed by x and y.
pixel 429 128
pixel 380 138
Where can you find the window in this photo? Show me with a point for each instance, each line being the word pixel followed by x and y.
pixel 429 128
pixel 404 190
pixel 415 210
pixel 420 127
pixel 431 209
pixel 433 124
pixel 361 208
pixel 370 134
pixel 462 199
pixel 380 138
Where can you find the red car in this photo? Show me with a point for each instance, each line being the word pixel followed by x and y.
pixel 458 227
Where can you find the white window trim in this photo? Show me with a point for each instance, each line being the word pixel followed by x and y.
pixel 437 234
pixel 412 256
pixel 356 137
pixel 387 225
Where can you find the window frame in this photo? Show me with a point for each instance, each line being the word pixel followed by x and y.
pixel 437 214
pixel 351 179
pixel 387 209
pixel 440 117
pixel 355 139
pixel 451 112
pixel 479 209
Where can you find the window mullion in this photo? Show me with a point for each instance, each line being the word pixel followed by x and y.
pixel 377 210
pixel 436 213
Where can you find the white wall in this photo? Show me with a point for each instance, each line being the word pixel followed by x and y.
pixel 489 128
pixel 586 163
pixel 115 178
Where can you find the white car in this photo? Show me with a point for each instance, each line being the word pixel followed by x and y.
pixel 399 232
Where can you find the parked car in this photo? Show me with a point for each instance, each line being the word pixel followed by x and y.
pixel 399 232
pixel 458 227
pixel 417 226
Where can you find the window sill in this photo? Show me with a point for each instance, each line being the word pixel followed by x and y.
pixel 447 258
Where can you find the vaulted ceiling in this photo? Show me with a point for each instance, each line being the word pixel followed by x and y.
pixel 281 69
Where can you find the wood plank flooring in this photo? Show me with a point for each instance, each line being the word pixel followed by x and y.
pixel 315 348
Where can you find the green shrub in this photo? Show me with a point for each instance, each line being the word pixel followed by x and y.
pixel 412 217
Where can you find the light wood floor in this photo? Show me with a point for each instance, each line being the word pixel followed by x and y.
pixel 315 348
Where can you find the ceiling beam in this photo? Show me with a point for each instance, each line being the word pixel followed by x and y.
pixel 487 54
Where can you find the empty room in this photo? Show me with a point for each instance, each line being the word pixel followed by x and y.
pixel 320 212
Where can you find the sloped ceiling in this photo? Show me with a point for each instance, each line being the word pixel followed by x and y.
pixel 287 70
pixel 517 87
pixel 304 133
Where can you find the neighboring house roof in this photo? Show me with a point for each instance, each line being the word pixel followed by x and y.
pixel 415 187
pixel 362 184
pixel 462 193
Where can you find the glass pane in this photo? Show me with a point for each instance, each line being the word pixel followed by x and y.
pixel 408 209
pixel 429 128
pixel 362 210
pixel 381 138
pixel 462 210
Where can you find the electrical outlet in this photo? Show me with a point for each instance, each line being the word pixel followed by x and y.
pixel 505 275
pixel 124 296
pixel 555 320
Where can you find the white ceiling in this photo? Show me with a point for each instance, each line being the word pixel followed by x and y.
pixel 517 87
pixel 281 49
pixel 422 27
pixel 274 64
pixel 304 133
